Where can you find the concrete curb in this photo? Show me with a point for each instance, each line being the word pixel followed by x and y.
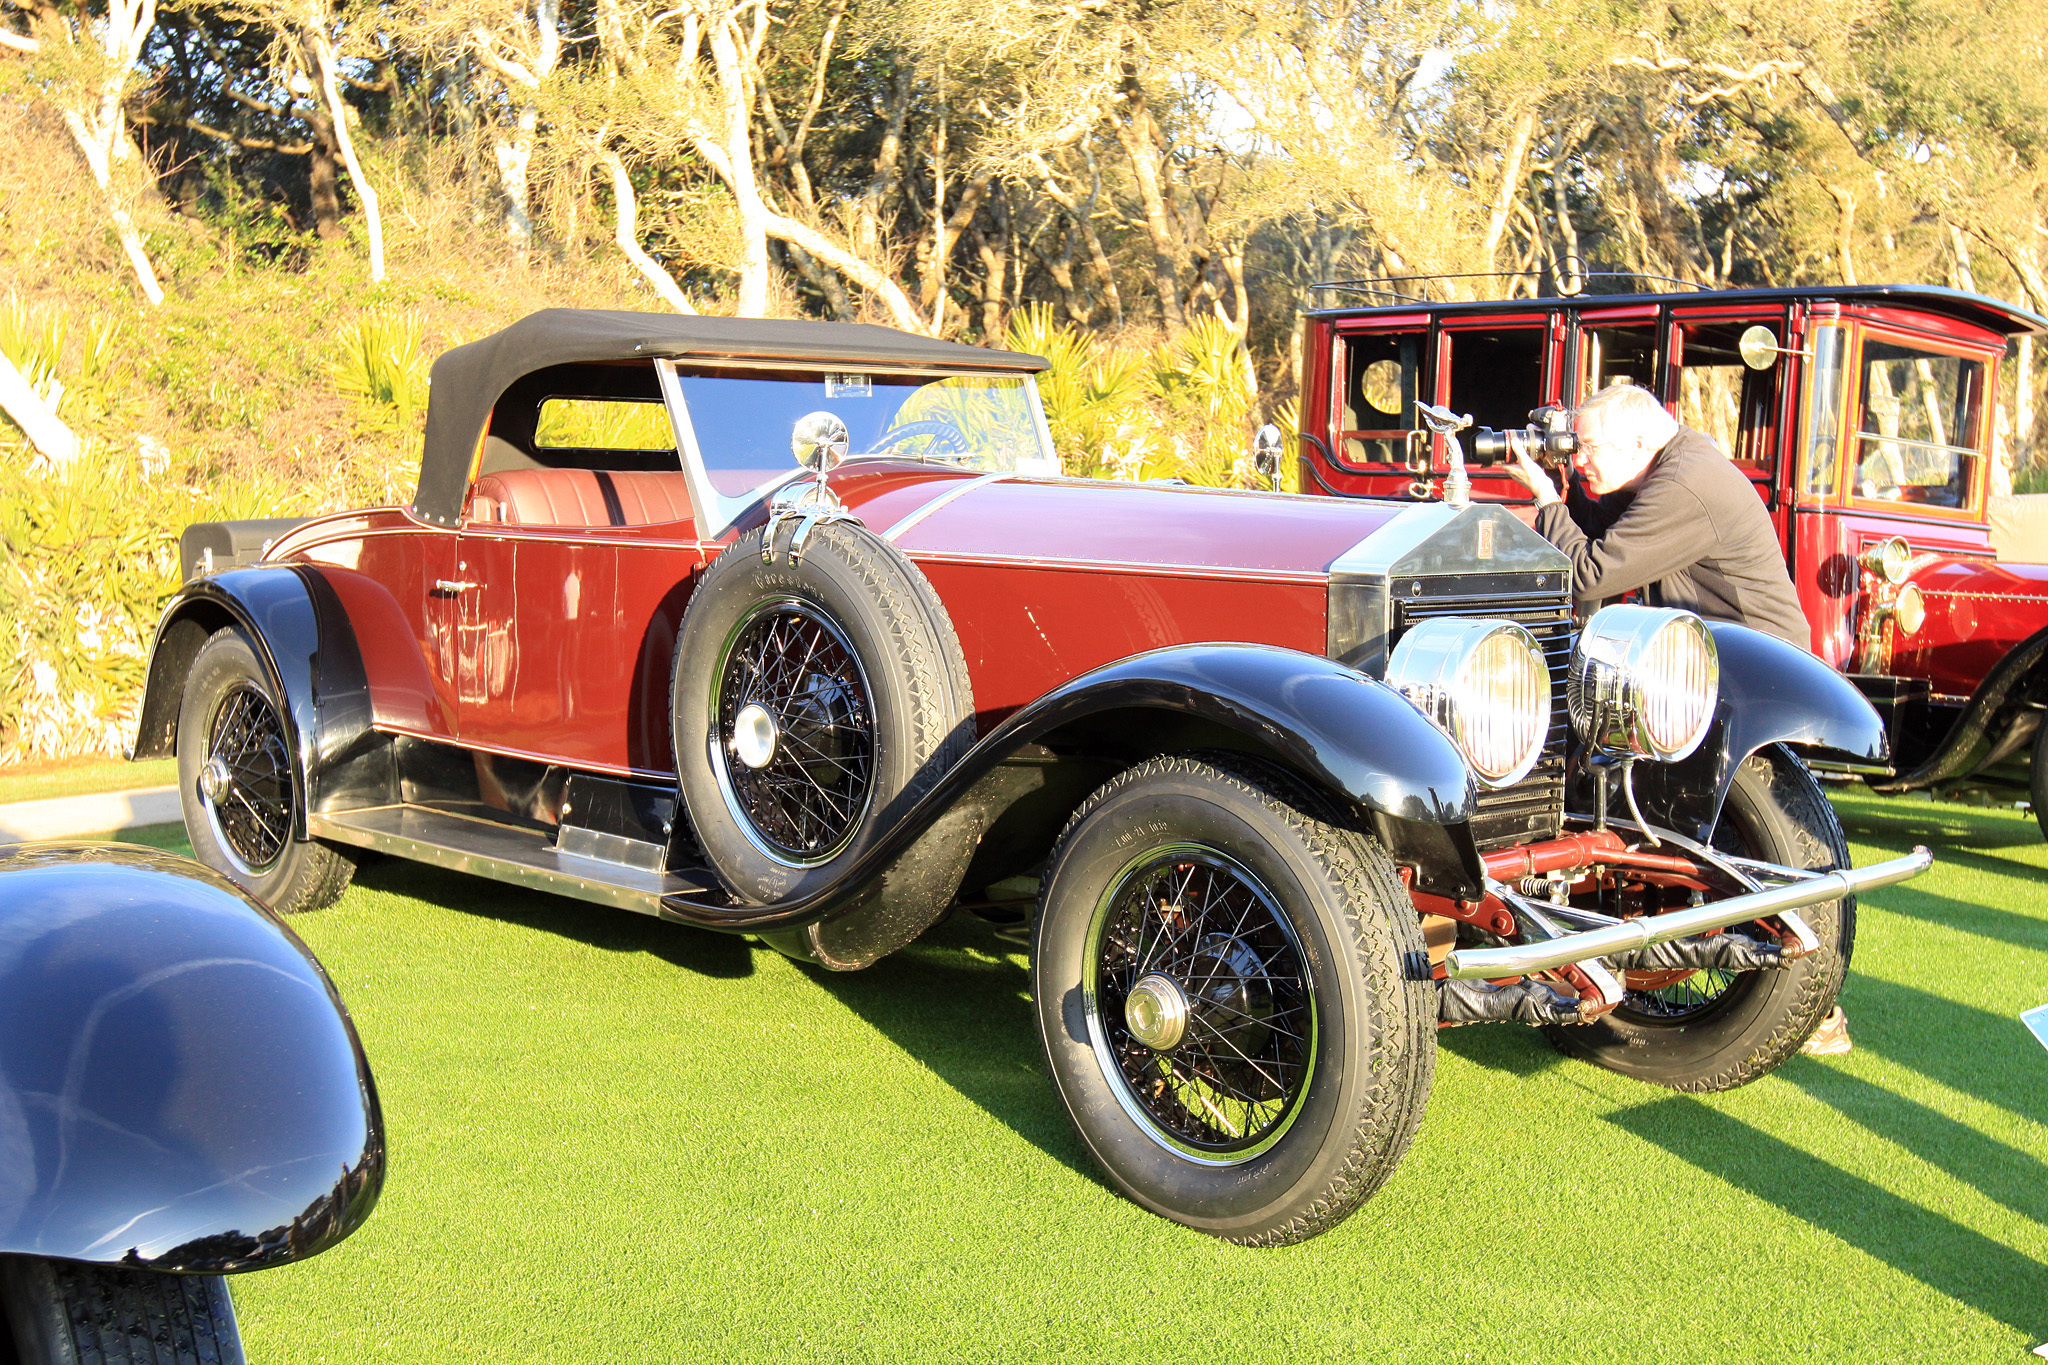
pixel 67 817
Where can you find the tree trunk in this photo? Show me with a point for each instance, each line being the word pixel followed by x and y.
pixel 323 52
pixel 627 236
pixel 43 427
pixel 321 163
pixel 515 156
pixel 1138 134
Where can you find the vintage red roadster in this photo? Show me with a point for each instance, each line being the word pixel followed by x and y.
pixel 1865 417
pixel 797 630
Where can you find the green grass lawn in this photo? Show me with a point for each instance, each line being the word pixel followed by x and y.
pixel 617 1140
pixel 33 782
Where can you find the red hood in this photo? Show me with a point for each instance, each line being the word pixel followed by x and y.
pixel 1162 526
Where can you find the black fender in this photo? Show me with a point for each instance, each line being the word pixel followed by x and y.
pixel 1358 741
pixel 1976 739
pixel 181 1088
pixel 302 635
pixel 1772 692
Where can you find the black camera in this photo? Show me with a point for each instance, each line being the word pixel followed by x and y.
pixel 1548 437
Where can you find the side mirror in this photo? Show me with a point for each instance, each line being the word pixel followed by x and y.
pixel 1760 349
pixel 818 440
pixel 1266 452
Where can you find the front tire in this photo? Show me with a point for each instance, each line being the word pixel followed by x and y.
pixel 239 784
pixel 70 1313
pixel 1234 997
pixel 1716 1030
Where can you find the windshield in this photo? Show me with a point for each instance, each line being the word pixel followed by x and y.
pixel 743 420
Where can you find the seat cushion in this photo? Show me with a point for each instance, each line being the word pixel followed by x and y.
pixel 581 497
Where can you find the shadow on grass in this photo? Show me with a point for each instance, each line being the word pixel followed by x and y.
pixel 958 1004
pixel 600 926
pixel 2007 926
pixel 1508 1048
pixel 1965 1048
pixel 1897 825
pixel 1947 1257
pixel 2002 1173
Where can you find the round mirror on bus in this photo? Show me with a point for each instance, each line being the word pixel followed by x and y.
pixel 1759 347
pixel 818 441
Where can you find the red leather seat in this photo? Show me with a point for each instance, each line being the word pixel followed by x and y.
pixel 580 497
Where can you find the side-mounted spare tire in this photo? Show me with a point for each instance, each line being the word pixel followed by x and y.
pixel 814 702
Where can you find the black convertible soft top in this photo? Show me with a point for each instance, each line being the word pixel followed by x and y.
pixel 469 380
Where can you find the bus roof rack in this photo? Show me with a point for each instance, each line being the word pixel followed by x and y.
pixel 1567 278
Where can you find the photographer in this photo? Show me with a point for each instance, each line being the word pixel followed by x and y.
pixel 1659 507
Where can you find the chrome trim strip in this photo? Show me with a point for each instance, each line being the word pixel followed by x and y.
pixel 1519 959
pixel 625 887
pixel 574 765
pixel 1299 577
pixel 951 495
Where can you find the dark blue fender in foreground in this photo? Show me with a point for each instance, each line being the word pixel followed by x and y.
pixel 1771 693
pixel 180 1087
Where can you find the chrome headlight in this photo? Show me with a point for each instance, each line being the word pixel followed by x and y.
pixel 1643 682
pixel 1485 685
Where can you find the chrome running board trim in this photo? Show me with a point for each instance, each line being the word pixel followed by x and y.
pixel 505 853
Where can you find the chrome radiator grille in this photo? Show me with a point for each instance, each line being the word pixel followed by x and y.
pixel 1533 807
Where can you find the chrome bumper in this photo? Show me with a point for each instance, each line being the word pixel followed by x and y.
pixel 1519 959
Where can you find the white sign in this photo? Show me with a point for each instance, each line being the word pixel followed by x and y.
pixel 2036 1020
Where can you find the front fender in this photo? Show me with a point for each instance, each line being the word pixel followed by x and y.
pixel 2018 681
pixel 180 1086
pixel 1355 738
pixel 1772 692
pixel 302 635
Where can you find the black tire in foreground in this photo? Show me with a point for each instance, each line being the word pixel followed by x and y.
pixel 69 1313
pixel 1235 999
pixel 1717 1029
pixel 238 784
pixel 813 704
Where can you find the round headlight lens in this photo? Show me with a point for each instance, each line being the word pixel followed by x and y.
pixel 1643 682
pixel 1909 611
pixel 1483 683
pixel 1891 559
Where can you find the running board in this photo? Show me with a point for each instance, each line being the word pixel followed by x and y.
pixel 509 853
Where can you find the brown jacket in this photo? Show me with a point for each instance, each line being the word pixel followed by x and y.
pixel 1693 534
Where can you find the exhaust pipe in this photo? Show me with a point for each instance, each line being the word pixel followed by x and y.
pixel 1519 959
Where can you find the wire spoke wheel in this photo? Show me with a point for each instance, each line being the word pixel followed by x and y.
pixel 246 783
pixel 795 738
pixel 1200 1005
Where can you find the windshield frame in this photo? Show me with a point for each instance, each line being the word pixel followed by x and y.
pixel 717 512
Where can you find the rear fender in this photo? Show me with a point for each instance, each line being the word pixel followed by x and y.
pixel 302 636
pixel 180 1087
pixel 1772 692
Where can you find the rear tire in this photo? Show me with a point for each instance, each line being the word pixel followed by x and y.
pixel 239 783
pixel 70 1313
pixel 1749 1022
pixel 1299 1036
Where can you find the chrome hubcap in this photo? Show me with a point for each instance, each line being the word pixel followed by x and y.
pixel 754 735
pixel 1156 1012
pixel 214 779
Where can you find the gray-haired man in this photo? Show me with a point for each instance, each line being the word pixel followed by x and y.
pixel 1659 507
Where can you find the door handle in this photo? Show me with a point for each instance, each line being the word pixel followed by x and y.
pixel 451 586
